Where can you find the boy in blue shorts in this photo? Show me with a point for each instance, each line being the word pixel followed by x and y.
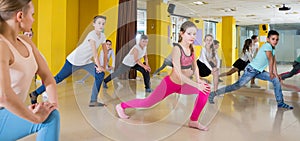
pixel 264 57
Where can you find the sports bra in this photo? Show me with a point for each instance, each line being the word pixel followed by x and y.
pixel 185 60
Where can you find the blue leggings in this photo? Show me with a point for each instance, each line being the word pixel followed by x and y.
pixel 13 127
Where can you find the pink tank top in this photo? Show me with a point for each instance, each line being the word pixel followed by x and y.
pixel 21 70
pixel 185 60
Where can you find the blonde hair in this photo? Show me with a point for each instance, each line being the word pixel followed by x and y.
pixel 9 7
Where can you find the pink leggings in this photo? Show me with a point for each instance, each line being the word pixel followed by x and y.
pixel 164 89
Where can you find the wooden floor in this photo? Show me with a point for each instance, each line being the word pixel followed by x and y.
pixel 244 115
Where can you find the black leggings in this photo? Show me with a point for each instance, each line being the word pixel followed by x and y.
pixel 123 68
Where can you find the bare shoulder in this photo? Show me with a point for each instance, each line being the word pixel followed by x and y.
pixel 3 46
pixel 5 53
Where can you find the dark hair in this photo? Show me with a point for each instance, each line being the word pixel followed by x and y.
pixel 144 37
pixel 272 32
pixel 108 41
pixel 9 7
pixel 213 50
pixel 183 28
pixel 208 35
pixel 253 37
pixel 246 45
pixel 97 17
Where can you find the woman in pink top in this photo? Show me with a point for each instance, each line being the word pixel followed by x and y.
pixel 19 61
pixel 179 80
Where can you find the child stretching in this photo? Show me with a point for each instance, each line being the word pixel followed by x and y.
pixel 184 65
pixel 132 60
pixel 80 58
pixel 264 57
pixel 209 62
pixel 243 61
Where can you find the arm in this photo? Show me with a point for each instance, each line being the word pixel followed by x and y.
pixel 99 68
pixel 10 100
pixel 179 74
pixel 101 58
pixel 203 58
pixel 137 60
pixel 271 63
pixel 218 60
pixel 105 59
pixel 249 55
pixel 275 68
pixel 45 73
pixel 113 58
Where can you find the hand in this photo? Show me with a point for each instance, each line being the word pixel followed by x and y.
pixel 110 68
pixel 201 81
pixel 147 68
pixel 215 69
pixel 42 110
pixel 279 77
pixel 99 69
pixel 204 87
pixel 272 76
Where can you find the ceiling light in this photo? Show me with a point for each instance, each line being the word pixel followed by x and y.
pixel 228 9
pixel 199 2
pixel 250 15
pixel 270 6
pixel 291 13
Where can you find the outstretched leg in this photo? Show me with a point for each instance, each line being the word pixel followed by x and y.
pixel 65 72
pixel 277 89
pixel 250 72
pixel 230 72
pixel 165 88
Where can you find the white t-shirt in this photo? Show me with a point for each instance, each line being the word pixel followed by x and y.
pixel 247 56
pixel 254 49
pixel 83 53
pixel 129 58
pixel 203 58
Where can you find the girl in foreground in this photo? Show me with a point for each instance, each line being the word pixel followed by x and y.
pixel 184 66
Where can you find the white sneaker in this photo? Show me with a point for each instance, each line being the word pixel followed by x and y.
pixel 120 85
pixel 45 96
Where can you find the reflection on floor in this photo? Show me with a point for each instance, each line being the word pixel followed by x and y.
pixel 244 115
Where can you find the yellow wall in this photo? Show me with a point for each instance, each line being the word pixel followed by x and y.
pixel 72 23
pixel 158 22
pixel 109 8
pixel 219 38
pixel 228 40
pixel 58 34
pixel 87 11
pixel 56 30
pixel 43 33
pixel 35 25
pixel 262 33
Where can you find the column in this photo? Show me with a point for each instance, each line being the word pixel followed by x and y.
pixel 229 40
pixel 158 23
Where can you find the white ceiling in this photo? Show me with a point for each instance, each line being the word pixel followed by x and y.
pixel 247 12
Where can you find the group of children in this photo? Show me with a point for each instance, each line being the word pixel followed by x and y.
pixel 20 60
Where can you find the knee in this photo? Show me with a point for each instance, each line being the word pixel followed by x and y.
pixel 99 76
pixel 203 95
pixel 53 118
pixel 275 81
pixel 57 79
